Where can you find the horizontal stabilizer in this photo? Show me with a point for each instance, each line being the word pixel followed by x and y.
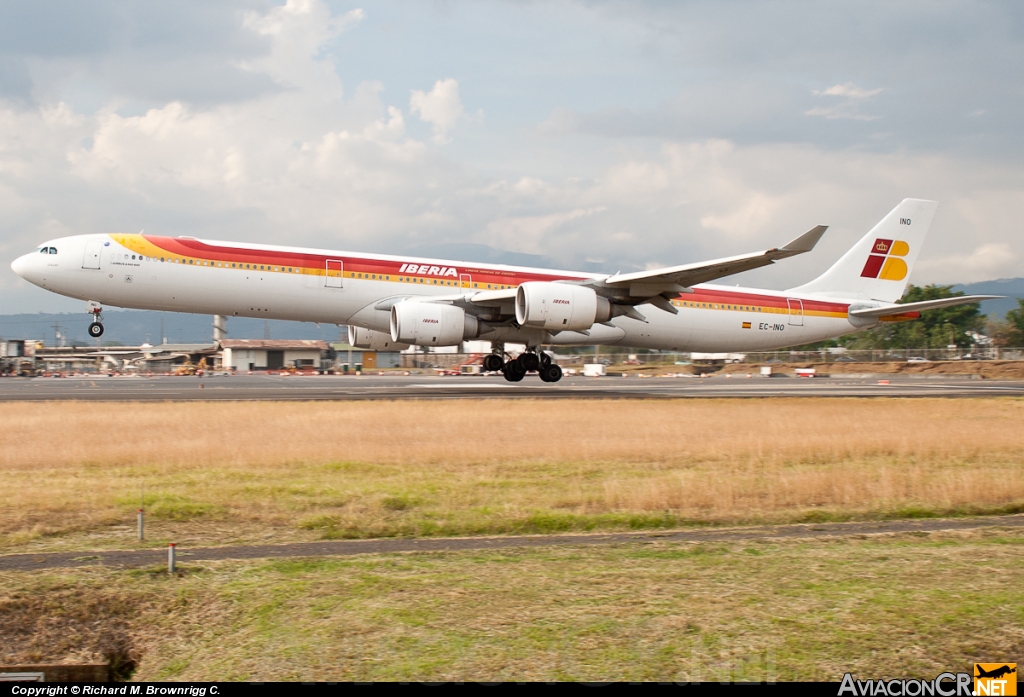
pixel 917 307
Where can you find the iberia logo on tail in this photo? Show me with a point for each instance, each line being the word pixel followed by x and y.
pixel 885 260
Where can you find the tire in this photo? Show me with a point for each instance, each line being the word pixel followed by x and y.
pixel 512 372
pixel 95 330
pixel 493 363
pixel 551 373
pixel 528 361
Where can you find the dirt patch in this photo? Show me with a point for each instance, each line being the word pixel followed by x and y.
pixel 67 625
pixel 993 370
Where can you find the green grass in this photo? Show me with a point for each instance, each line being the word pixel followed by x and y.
pixel 904 605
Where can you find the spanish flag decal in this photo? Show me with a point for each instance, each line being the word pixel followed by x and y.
pixel 746 325
pixel 885 263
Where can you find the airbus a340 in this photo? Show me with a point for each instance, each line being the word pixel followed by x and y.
pixel 392 302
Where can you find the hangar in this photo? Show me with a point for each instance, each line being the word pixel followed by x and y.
pixel 272 354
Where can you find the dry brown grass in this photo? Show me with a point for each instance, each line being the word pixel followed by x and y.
pixel 216 472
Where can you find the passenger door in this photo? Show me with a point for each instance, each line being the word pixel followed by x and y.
pixel 335 273
pixel 93 249
pixel 796 312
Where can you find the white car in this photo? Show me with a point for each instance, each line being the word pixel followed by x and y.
pixel 917 359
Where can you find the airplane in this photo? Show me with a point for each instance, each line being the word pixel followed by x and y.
pixel 393 302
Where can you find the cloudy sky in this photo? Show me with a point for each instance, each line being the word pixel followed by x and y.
pixel 608 134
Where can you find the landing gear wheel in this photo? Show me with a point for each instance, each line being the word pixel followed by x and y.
pixel 551 373
pixel 493 363
pixel 513 372
pixel 528 361
pixel 95 330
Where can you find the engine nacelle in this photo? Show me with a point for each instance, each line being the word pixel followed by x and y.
pixel 560 307
pixel 371 340
pixel 431 324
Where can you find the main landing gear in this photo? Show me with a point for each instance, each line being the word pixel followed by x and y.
pixel 516 369
pixel 96 327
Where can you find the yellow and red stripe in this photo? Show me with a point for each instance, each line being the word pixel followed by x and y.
pixel 195 252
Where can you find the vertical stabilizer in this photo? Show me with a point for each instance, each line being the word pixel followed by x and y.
pixel 878 266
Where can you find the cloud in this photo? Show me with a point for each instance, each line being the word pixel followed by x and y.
pixel 667 142
pixel 983 262
pixel 848 89
pixel 530 233
pixel 440 107
pixel 849 108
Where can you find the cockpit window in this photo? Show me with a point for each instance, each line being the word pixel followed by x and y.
pixel 44 250
pixel 53 250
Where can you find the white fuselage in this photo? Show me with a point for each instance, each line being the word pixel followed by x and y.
pixel 217 278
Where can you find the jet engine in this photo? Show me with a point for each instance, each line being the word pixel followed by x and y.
pixel 560 307
pixel 374 341
pixel 431 324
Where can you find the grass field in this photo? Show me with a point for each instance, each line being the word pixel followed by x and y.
pixel 902 605
pixel 70 473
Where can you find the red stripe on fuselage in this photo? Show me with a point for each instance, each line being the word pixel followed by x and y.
pixel 201 250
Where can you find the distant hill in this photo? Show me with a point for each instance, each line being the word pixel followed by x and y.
pixel 134 327
pixel 1012 288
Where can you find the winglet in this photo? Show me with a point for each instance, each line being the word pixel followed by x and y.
pixel 806 241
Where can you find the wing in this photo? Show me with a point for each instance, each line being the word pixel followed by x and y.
pixel 899 309
pixel 625 291
pixel 676 279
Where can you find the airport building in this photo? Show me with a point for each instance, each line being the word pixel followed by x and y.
pixel 364 359
pixel 272 354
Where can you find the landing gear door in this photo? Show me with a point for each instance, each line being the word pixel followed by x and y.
pixel 796 312
pixel 93 249
pixel 335 273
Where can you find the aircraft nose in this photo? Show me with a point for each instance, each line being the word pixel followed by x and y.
pixel 20 265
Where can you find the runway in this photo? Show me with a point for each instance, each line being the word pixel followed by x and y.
pixel 333 387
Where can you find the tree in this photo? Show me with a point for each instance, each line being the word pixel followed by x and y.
pixel 935 329
pixel 1015 320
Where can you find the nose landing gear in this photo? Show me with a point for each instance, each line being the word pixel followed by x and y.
pixel 96 327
